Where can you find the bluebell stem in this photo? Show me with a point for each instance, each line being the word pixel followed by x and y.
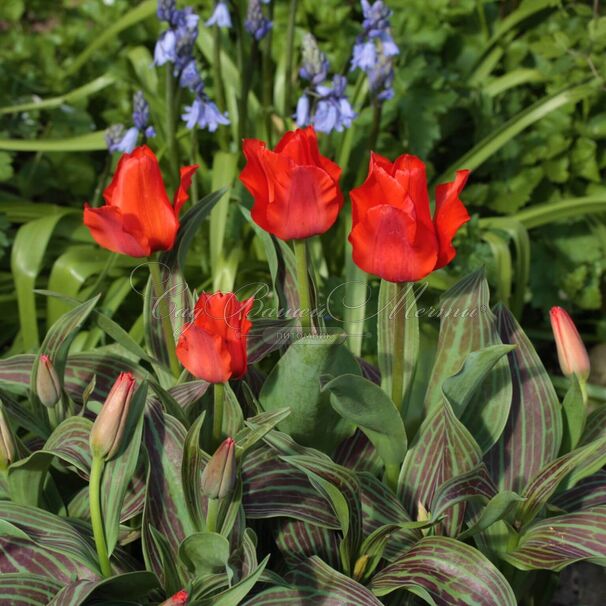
pixel 220 16
pixel 375 49
pixel 257 24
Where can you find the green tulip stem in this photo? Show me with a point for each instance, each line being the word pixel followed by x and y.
pixel 163 310
pixel 300 247
pixel 397 368
pixel 212 514
pixel 94 488
pixel 219 393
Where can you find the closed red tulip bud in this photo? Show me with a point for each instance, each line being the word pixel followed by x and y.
pixel 219 476
pixel 7 442
pixel 48 386
pixel 108 428
pixel 393 234
pixel 138 217
pixel 213 346
pixel 179 599
pixel 571 350
pixel 295 188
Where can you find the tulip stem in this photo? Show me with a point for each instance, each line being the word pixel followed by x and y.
pixel 163 310
pixel 397 368
pixel 219 394
pixel 94 487
pixel 212 514
pixel 300 247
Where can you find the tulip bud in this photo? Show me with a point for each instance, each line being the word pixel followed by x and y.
pixel 48 386
pixel 7 442
pixel 219 476
pixel 107 431
pixel 179 599
pixel 571 351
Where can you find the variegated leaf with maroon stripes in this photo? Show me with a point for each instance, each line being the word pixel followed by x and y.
pixel 589 492
pixel 165 508
pixel 357 453
pixel 468 325
pixel 533 432
pixel 23 589
pixel 443 449
pixel 453 573
pixel 554 543
pixel 272 488
pixel 315 582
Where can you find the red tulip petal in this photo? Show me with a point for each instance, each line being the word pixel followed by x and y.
pixel 204 355
pixel 449 216
pixel 115 232
pixel 410 173
pixel 253 175
pixel 181 196
pixel 237 341
pixel 382 245
pixel 137 189
pixel 378 189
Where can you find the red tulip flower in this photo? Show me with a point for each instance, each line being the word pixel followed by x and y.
pixel 138 218
pixel 393 234
pixel 572 353
pixel 295 188
pixel 213 346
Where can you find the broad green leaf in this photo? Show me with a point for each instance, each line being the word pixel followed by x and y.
pixel 434 562
pixel 296 381
pixel 194 461
pixel 554 543
pixel 468 325
pixel 367 406
pixel 496 509
pixel 533 432
pixel 79 143
pixel 575 415
pixel 442 450
pixel 205 553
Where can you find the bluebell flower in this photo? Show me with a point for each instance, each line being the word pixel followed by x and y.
pixel 150 132
pixel 129 141
pixel 140 111
pixel 165 50
pixel 364 55
pixel 220 16
pixel 380 78
pixel 303 115
pixel 119 140
pixel 191 79
pixel 113 137
pixel 333 111
pixel 257 24
pixel 165 9
pixel 315 65
pixel 204 113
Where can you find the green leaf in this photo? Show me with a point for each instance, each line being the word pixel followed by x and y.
pixel 88 142
pixel 434 562
pixel 21 589
pixel 367 406
pixel 575 415
pixel 296 380
pixel 496 509
pixel 468 325
pixel 205 553
pixel 257 428
pixel 194 461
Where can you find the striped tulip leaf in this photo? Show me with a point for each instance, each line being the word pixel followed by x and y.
pixel 341 488
pixel 15 373
pixel 68 443
pixel 52 533
pixel 369 408
pixel 296 379
pixel 21 415
pixel 22 589
pixel 128 586
pixel 443 449
pixel 589 492
pixel 273 488
pixel 258 427
pixel 357 453
pixel 298 541
pixel 315 582
pixel 467 325
pixel 554 543
pixel 540 489
pixel 533 432
pixel 453 573
pixel 165 508
pixel 192 466
pixel 381 508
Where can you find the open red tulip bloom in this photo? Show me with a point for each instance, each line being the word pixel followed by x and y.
pixel 213 346
pixel 393 234
pixel 295 188
pixel 138 218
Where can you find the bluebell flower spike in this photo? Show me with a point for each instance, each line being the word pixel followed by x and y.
pixel 257 24
pixel 220 16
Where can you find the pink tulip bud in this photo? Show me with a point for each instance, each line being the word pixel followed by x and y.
pixel 179 599
pixel 219 476
pixel 48 386
pixel 107 431
pixel 571 351
pixel 7 442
